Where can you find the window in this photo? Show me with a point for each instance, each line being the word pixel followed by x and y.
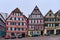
pixel 22 18
pixel 16 14
pixel 19 29
pixel 11 23
pixel 18 23
pixel 35 21
pixel 53 24
pixel 35 32
pixel 38 32
pixel 49 25
pixel 15 18
pixel 29 21
pixel 22 28
pixel 19 14
pixel 49 19
pixel 13 29
pixel 56 19
pixel 9 28
pixel 31 32
pixel 32 27
pixel 32 21
pixel 53 19
pixel 12 34
pixel 46 24
pixel 46 19
pixel 41 21
pixel 41 16
pixel 11 18
pixel 38 16
pixel 29 27
pixel 18 18
pixel 57 24
pixel 22 24
pixel 33 16
pixel 14 23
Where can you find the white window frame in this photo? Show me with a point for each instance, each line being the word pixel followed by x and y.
pixel 20 18
pixel 29 21
pixel 9 28
pixel 59 24
pixel 29 27
pixel 36 21
pixel 24 24
pixel 32 21
pixel 53 24
pixel 16 18
pixel 16 14
pixel 13 29
pixel 8 23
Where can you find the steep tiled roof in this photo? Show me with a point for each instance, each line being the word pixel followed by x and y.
pixel 57 13
pixel 36 11
pixel 50 11
pixel 16 10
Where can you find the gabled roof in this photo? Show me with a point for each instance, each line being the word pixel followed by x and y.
pixel 36 9
pixel 2 18
pixel 50 11
pixel 57 13
pixel 16 11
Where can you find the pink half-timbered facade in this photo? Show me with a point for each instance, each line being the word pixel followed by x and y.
pixel 35 23
pixel 16 24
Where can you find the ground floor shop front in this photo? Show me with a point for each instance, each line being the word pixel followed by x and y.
pixel 35 33
pixel 52 32
pixel 16 35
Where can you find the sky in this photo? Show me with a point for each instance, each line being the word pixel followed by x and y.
pixel 27 6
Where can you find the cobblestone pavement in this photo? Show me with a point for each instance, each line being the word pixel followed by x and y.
pixel 37 38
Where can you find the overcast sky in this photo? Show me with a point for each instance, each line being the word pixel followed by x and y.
pixel 27 6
